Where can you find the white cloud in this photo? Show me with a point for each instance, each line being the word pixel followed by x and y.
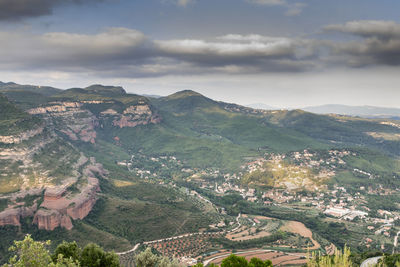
pixel 368 28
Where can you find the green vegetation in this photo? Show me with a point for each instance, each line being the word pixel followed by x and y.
pixel 58 158
pixel 252 243
pixel 35 254
pixel 3 204
pixel 204 137
pixel 13 120
pixel 125 213
pixel 340 258
pixel 148 259
pixel 237 261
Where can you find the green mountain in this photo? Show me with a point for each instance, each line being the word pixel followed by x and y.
pixel 100 164
pixel 13 120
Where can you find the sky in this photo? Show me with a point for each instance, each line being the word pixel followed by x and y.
pixel 283 53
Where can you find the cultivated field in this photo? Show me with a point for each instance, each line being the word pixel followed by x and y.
pixel 301 229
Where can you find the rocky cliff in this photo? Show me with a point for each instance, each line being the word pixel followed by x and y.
pixel 70 118
pixel 12 215
pixel 17 139
pixel 133 116
pixel 48 164
pixel 51 219
pixel 60 209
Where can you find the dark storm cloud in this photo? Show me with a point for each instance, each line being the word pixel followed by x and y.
pixel 379 44
pixel 18 9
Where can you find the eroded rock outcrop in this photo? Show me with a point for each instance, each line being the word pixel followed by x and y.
pixel 17 139
pixel 51 219
pixel 60 205
pixel 55 107
pixel 84 203
pixel 58 208
pixel 70 118
pixel 136 115
pixel 12 215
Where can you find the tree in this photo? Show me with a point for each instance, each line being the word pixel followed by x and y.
pixel 234 261
pixel 256 262
pixel 68 251
pixel 94 256
pixel 340 259
pixel 146 259
pixel 166 262
pixel 64 262
pixel 391 260
pixel 30 253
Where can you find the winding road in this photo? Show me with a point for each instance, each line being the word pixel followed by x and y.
pixel 370 262
pixel 180 236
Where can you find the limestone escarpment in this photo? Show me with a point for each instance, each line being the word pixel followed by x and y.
pixel 55 107
pixel 70 118
pixel 136 115
pixel 75 120
pixel 17 139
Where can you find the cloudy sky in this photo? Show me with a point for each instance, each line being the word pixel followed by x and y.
pixel 284 53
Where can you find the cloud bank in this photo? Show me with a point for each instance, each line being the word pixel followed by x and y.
pixel 379 44
pixel 123 52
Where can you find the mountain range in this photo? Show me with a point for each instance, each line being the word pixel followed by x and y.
pixel 100 164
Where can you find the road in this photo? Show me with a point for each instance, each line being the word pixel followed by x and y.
pixel 181 236
pixel 370 262
pixel 129 251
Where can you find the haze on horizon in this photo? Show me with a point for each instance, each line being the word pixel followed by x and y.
pixel 284 53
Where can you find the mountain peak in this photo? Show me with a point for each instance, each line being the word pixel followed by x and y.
pixel 106 90
pixel 185 93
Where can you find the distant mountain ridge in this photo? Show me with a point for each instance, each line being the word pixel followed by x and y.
pixel 361 111
pixel 261 106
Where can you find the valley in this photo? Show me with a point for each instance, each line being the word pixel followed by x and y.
pixel 191 177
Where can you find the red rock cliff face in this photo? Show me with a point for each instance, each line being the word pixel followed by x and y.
pixel 81 210
pixel 47 219
pixel 10 217
pixel 84 203
pixel 51 219
pixel 58 210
